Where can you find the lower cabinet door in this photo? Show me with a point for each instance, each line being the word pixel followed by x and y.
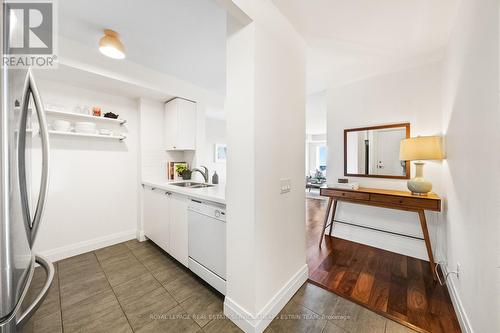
pixel 156 217
pixel 179 228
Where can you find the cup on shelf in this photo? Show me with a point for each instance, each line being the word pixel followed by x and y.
pixel 85 127
pixel 96 111
pixel 61 125
pixel 86 110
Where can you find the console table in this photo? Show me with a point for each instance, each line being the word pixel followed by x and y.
pixel 400 200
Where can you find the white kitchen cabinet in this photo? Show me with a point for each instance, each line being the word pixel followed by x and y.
pixel 156 216
pixel 180 125
pixel 165 222
pixel 179 228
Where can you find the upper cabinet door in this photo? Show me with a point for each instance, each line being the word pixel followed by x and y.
pixel 180 125
pixel 170 126
pixel 186 136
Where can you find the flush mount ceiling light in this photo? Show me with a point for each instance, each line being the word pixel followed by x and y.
pixel 111 46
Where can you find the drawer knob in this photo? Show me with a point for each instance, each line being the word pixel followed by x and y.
pixel 343 194
pixel 400 201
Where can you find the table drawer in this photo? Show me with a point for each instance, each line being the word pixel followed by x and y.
pixel 348 195
pixel 405 202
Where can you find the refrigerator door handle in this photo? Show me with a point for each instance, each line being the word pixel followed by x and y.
pixel 28 312
pixel 30 88
pixel 20 319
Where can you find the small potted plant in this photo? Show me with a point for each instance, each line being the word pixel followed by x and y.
pixel 183 171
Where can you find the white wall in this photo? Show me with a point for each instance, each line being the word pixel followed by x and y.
pixel 316 113
pixel 92 199
pixel 412 95
pixel 472 167
pixel 266 134
pixel 240 184
pixel 215 133
pixel 279 153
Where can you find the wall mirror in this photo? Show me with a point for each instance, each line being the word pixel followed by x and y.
pixel 374 151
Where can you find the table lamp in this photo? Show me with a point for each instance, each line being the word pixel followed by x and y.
pixel 418 149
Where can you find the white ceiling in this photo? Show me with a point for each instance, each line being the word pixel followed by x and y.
pixel 183 38
pixel 351 39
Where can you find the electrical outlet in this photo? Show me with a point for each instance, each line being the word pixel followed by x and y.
pixel 285 185
pixel 458 270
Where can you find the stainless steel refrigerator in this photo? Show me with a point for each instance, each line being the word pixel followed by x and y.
pixel 20 217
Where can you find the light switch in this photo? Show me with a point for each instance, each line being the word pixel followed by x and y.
pixel 285 185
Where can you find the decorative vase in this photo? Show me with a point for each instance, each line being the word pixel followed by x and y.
pixel 418 185
pixel 186 175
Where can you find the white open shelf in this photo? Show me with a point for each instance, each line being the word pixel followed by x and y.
pixel 87 117
pixel 112 137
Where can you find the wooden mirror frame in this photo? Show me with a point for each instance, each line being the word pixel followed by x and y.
pixel 406 125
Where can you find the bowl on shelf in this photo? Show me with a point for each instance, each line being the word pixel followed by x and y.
pixel 104 131
pixel 61 125
pixel 85 127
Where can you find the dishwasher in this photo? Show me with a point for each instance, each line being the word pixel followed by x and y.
pixel 207 242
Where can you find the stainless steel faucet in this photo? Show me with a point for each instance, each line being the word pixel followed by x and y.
pixel 205 173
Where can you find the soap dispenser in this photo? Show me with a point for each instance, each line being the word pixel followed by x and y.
pixel 215 178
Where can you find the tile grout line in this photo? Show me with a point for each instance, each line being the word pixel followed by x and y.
pixel 113 291
pixel 326 320
pixel 178 303
pixel 164 288
pixel 332 322
pixel 154 277
pixel 150 272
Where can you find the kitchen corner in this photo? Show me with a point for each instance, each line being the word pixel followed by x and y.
pixel 188 221
pixel 183 216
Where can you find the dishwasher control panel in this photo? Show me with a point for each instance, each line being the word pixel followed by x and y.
pixel 209 209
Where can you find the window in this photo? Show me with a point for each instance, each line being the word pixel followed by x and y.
pixel 321 155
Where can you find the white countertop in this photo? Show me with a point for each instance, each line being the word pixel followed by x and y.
pixel 217 193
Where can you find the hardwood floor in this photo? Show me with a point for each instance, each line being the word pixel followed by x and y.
pixel 398 287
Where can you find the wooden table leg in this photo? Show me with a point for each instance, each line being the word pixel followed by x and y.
pixel 425 231
pixel 333 216
pixel 330 200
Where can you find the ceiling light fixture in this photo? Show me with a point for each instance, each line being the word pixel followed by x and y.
pixel 111 46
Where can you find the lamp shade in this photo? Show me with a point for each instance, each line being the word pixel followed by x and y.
pixel 421 148
pixel 111 46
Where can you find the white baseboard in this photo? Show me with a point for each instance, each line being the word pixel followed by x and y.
pixel 141 236
pixel 86 246
pixel 257 324
pixel 457 303
pixel 390 242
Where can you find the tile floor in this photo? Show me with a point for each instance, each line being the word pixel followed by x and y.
pixel 136 287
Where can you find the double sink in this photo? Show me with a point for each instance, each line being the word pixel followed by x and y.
pixel 192 185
